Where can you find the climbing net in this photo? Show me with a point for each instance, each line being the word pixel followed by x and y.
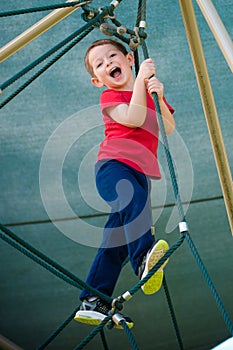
pixel 105 19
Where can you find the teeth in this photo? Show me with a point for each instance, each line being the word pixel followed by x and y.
pixel 113 69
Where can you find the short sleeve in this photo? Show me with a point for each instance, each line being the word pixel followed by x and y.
pixel 111 98
pixel 171 109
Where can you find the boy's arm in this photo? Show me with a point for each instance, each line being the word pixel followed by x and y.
pixel 168 120
pixel 134 114
pixel 154 85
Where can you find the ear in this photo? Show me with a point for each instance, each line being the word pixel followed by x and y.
pixel 130 58
pixel 96 82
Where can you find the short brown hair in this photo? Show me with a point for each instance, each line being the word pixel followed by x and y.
pixel 100 42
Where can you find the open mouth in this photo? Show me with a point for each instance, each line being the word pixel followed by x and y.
pixel 115 72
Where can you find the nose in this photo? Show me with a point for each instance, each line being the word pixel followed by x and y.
pixel 108 62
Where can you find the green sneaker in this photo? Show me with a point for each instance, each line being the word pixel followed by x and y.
pixel 94 313
pixel 155 253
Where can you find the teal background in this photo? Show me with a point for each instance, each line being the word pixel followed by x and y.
pixel 33 301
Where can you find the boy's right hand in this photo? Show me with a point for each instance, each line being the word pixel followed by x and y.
pixel 147 69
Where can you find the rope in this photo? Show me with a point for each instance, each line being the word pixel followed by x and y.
pixel 25 70
pixel 181 212
pixel 130 336
pixel 169 252
pixel 98 17
pixel 104 341
pixel 172 312
pixel 210 284
pixel 136 61
pixel 41 8
pixel 93 333
pixel 43 260
pixel 41 58
pixel 58 330
pixel 86 29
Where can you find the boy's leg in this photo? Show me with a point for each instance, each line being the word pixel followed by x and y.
pixel 144 252
pixel 127 191
pixel 106 266
pixel 128 230
pixel 103 276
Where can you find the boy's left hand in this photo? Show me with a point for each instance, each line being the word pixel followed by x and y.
pixel 154 85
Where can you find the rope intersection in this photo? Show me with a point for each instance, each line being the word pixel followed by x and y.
pixel 99 18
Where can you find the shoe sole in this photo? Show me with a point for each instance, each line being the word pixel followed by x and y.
pixel 95 319
pixel 154 283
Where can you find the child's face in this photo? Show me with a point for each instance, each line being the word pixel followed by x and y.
pixel 111 67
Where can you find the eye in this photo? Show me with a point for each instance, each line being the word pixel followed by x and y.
pixel 113 54
pixel 98 64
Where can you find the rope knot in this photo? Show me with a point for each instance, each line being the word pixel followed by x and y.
pixel 135 39
pixel 121 30
pixel 117 304
pixel 109 10
pixel 107 29
pixel 134 43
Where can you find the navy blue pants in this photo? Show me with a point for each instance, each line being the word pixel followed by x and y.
pixel 127 231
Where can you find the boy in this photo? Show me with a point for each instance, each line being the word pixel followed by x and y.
pixel 127 161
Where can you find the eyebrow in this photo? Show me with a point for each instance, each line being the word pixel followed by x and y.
pixel 100 58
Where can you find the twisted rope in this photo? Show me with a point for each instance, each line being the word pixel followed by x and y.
pixel 39 60
pixel 49 264
pixel 172 313
pixel 210 284
pixel 93 333
pixel 58 330
pixel 42 8
pixel 104 341
pixel 42 58
pixel 32 252
pixel 86 29
pixel 130 336
pixel 169 252
pixel 181 212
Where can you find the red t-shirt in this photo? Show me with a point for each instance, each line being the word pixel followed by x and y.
pixel 136 147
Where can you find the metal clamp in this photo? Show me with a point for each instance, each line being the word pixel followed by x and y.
pixel 114 304
pixel 142 24
pixel 183 226
pixel 126 296
pixel 114 3
pixel 118 318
